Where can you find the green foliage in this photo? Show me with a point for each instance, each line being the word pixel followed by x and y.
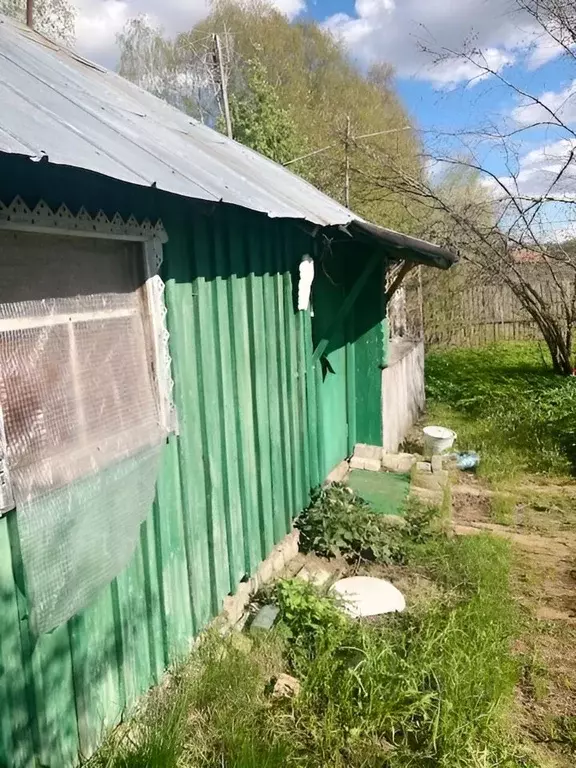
pixel 339 522
pixel 425 689
pixel 505 402
pixel 310 618
pixel 291 87
pixel 259 120
pixel 54 18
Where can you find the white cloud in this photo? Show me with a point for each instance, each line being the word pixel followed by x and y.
pixel 562 103
pixel 538 172
pixel 99 21
pixel 397 31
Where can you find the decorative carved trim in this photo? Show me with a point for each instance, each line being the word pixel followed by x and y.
pixel 17 215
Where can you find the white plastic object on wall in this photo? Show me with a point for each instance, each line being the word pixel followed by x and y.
pixel 305 282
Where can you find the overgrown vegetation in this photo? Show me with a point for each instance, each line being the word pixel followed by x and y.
pixel 505 402
pixel 338 522
pixel 429 688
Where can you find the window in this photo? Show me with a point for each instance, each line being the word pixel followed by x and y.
pixel 85 396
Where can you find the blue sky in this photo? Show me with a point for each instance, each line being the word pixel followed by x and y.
pixel 445 97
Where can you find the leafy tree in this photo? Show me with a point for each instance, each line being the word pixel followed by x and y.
pixel 259 121
pixel 54 18
pixel 300 81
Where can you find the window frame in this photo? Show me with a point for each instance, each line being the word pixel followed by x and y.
pixel 43 220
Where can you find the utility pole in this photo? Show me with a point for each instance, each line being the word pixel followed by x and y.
pixel 347 164
pixel 223 84
pixel 30 13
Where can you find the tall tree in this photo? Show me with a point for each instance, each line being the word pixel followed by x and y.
pixel 54 18
pixel 299 81
pixel 519 208
pixel 260 121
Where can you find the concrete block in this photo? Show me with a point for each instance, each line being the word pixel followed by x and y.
pixel 265 618
pixel 433 498
pixel 405 462
pixel 364 451
pixel 423 466
pixel 373 465
pixel 277 560
pixel 437 463
pixel 429 481
pixel 265 572
pixel 356 463
pixel 319 577
pixel 390 462
pixel 339 474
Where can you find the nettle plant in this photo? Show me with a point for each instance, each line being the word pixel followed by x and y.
pixel 338 522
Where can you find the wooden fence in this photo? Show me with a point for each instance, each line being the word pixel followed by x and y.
pixel 458 312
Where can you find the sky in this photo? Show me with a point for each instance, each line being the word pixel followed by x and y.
pixel 445 97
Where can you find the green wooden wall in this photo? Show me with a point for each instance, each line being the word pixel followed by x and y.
pixel 250 449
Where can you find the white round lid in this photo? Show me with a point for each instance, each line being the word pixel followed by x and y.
pixel 368 596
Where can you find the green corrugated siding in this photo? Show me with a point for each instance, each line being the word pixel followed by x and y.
pixel 250 448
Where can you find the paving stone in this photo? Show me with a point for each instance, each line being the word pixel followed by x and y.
pixel 265 618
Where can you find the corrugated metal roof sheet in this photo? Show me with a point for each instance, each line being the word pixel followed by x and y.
pixel 55 104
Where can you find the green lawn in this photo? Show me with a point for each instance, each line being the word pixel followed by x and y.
pixel 504 401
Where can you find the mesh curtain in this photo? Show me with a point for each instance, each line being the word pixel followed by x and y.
pixel 80 408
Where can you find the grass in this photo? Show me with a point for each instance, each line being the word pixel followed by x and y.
pixel 505 402
pixel 431 688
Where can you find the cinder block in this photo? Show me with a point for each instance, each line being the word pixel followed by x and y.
pixel 277 561
pixel 424 466
pixel 390 462
pixel 373 465
pixel 405 462
pixel 265 572
pixel 356 463
pixel 364 451
pixel 437 464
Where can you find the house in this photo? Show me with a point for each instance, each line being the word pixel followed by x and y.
pixel 166 408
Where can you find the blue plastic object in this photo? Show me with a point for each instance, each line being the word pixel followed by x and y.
pixel 467 460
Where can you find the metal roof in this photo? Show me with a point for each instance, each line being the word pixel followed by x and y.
pixel 58 106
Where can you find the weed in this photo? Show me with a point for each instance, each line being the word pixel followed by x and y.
pixel 502 508
pixel 430 688
pixel 307 615
pixel 562 730
pixel 339 522
pixel 504 402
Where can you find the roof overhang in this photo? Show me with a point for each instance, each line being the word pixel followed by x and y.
pixel 402 247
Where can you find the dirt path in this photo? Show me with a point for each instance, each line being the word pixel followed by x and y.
pixel 540 522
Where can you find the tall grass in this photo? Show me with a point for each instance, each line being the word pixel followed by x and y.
pixel 427 689
pixel 504 401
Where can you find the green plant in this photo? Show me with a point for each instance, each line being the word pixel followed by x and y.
pixel 502 508
pixel 308 616
pixel 504 402
pixel 339 522
pixel 419 519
